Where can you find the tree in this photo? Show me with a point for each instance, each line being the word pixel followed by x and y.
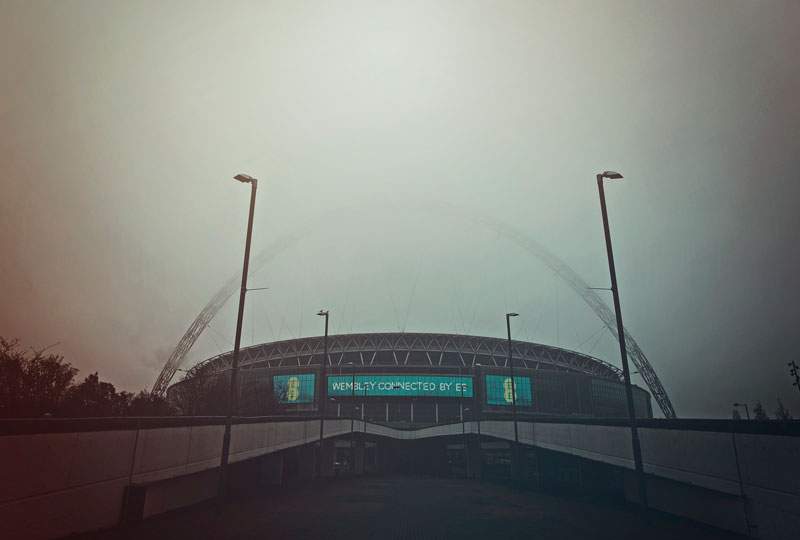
pixel 736 415
pixel 12 369
pixel 147 404
pixel 94 397
pixel 782 413
pixel 759 413
pixel 31 385
pixel 37 384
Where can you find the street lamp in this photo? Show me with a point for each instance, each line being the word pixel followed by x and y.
pixel 234 394
pixel 637 449
pixel 352 414
pixel 478 414
pixel 364 413
pixel 746 408
pixel 513 396
pixel 463 424
pixel 322 391
pixel 513 383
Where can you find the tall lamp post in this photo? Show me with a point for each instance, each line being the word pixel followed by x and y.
pixel 746 408
pixel 637 449
pixel 513 397
pixel 234 391
pixel 322 392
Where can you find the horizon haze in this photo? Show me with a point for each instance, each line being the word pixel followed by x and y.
pixel 374 129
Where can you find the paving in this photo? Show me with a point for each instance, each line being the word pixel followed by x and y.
pixel 402 507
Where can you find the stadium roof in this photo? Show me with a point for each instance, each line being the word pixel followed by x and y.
pixel 407 349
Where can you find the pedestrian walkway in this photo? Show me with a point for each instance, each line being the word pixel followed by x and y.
pixel 401 507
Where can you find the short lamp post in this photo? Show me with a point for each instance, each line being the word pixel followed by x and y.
pixel 464 424
pixel 514 456
pixel 322 392
pixel 478 411
pixel 352 414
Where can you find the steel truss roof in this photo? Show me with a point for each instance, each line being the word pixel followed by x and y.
pixel 436 348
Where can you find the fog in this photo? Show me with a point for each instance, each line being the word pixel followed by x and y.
pixel 122 123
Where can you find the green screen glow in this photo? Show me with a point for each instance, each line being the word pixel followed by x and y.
pixel 400 385
pixel 498 390
pixel 297 388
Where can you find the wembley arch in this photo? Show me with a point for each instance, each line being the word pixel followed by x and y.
pixel 560 268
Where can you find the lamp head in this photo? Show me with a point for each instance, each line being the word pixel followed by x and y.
pixel 611 175
pixel 512 314
pixel 323 313
pixel 244 178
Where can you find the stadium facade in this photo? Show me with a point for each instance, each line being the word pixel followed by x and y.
pixel 410 380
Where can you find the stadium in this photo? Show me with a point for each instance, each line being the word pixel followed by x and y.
pixel 410 380
pixel 561 382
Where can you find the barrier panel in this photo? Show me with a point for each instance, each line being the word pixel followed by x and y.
pixel 59 477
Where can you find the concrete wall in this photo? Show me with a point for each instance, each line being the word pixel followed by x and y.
pixel 53 484
pixel 693 473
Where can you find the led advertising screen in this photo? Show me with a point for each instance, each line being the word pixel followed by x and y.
pixel 297 388
pixel 400 385
pixel 498 390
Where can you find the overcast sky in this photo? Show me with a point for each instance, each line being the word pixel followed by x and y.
pixel 121 124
